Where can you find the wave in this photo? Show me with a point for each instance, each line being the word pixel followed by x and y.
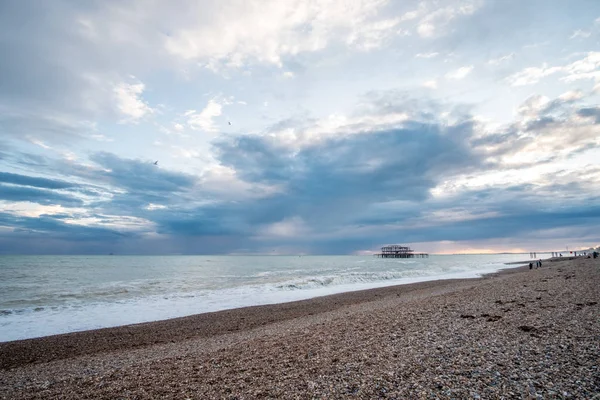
pixel 352 278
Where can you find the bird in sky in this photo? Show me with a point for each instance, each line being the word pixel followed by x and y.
pixel 156 162
pixel 229 122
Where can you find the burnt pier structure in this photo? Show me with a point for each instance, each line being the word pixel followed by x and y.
pixel 398 251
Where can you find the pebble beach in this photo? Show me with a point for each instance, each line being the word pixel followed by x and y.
pixel 517 334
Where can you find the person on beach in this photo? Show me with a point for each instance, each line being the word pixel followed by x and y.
pixel 530 265
pixel 540 263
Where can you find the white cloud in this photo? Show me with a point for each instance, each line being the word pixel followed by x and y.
pixel 178 127
pixel 289 227
pixel 34 210
pixel 225 182
pixel 334 125
pixel 204 119
pixel 152 207
pixel 426 29
pixel 370 36
pixel 433 23
pixel 586 68
pixel 427 55
pixel 580 34
pixel 287 74
pixel 410 15
pixel 460 73
pixel 101 138
pixel 184 152
pixel 571 95
pixel 456 215
pixel 129 102
pixel 39 143
pixel 500 60
pixel 232 35
pixel 531 75
pixel 431 84
pixel 532 106
pixel 117 222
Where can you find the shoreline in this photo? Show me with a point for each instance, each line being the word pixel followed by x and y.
pixel 269 300
pixel 512 333
pixel 204 325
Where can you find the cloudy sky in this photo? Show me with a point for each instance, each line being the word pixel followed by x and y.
pixel 295 126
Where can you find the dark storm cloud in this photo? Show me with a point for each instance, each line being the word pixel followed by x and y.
pixel 332 186
pixel 44 224
pixel 375 181
pixel 593 112
pixel 201 222
pixel 397 163
pixel 24 180
pixel 34 195
pixel 140 176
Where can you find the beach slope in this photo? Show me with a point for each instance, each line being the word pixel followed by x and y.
pixel 517 334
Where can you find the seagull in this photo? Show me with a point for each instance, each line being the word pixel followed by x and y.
pixel 229 122
pixel 156 162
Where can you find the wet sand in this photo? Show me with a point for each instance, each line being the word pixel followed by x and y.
pixel 515 334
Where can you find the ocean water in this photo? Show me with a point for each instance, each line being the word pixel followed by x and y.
pixel 46 295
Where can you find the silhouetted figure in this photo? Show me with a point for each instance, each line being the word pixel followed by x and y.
pixel 530 265
pixel 156 162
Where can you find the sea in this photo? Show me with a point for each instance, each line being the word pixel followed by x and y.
pixel 47 295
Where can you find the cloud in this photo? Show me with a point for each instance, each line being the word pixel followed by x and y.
pixel 38 229
pixel 356 166
pixel 138 176
pixel 370 36
pixel 35 195
pixel 591 112
pixel 204 119
pixel 42 128
pixel 233 35
pixel 129 102
pixel 24 180
pixel 338 184
pixel 434 22
pixel 427 55
pixel 55 83
pixel 426 29
pixel 545 129
pixel 502 59
pixel 431 84
pixel 586 68
pixel 532 75
pixel 580 34
pixel 287 228
pixel 460 73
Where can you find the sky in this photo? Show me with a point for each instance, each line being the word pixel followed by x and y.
pixel 298 127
